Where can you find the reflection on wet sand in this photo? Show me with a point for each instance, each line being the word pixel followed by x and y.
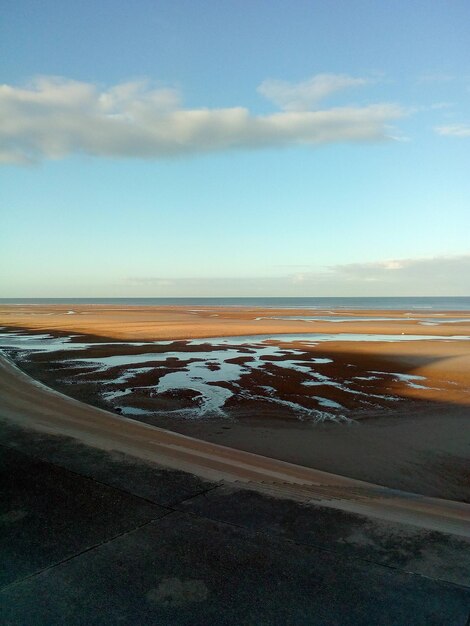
pixel 434 320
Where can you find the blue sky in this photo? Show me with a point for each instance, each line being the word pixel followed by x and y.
pixel 234 148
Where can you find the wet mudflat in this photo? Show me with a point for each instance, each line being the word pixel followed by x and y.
pixel 289 376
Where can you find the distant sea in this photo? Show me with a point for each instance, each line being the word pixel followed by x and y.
pixel 406 303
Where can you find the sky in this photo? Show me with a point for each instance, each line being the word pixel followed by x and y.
pixel 218 148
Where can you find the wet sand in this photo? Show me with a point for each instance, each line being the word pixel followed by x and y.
pixel 153 323
pixel 418 441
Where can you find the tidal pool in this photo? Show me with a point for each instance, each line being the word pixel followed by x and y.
pixel 216 370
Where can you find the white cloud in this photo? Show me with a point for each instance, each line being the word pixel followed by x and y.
pixel 305 96
pixel 454 130
pixel 393 265
pixel 53 117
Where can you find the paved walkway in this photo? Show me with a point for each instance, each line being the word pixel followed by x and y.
pixel 96 537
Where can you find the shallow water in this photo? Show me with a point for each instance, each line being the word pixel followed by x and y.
pixel 423 321
pixel 200 370
pixel 315 338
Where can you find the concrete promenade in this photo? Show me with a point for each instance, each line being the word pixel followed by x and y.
pixel 97 537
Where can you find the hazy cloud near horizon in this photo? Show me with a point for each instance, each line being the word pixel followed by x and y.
pixel 53 117
pixel 448 275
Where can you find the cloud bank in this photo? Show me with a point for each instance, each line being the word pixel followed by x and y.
pixel 53 118
pixel 437 276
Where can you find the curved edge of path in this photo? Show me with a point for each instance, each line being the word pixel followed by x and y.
pixel 31 404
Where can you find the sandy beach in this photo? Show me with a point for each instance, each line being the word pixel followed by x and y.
pixel 378 396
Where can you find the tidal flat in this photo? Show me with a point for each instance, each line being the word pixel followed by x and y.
pixel 382 396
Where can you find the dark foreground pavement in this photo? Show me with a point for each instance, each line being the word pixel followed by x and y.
pixel 92 537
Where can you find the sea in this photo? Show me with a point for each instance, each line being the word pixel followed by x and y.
pixel 454 303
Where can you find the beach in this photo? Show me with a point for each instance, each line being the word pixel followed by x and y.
pixel 378 396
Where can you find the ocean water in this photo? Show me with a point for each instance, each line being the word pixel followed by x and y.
pixel 461 303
